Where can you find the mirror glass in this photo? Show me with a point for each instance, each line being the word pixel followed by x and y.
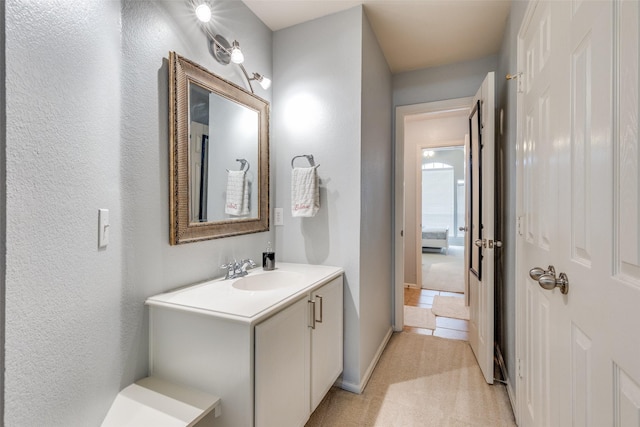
pixel 223 138
pixel 219 156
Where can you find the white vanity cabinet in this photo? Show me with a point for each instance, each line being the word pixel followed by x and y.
pixel 262 352
pixel 298 356
pixel 326 340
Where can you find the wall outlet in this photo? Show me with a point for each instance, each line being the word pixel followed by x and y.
pixel 278 214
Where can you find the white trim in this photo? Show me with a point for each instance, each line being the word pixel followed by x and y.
pixel 402 112
pixel 507 382
pixel 359 388
pixel 520 406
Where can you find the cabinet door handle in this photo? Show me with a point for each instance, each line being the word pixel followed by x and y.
pixel 321 310
pixel 312 317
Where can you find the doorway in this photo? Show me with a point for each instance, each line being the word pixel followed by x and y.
pixel 441 202
pixel 434 208
pixel 479 260
pixel 408 246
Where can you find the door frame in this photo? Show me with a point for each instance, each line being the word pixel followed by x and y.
pixel 521 271
pixel 402 111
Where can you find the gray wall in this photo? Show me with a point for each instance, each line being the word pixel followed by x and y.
pixel 63 312
pixel 506 95
pixel 319 109
pixel 3 203
pixel 86 128
pixel 376 203
pixel 439 83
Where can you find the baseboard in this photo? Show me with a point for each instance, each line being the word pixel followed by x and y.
pixel 505 375
pixel 359 388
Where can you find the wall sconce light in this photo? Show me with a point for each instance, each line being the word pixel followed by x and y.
pixel 262 80
pixel 225 52
pixel 236 54
pixel 203 12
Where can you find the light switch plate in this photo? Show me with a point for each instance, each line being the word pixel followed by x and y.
pixel 103 227
pixel 278 216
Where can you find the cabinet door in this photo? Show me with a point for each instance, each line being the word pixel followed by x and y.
pixel 282 368
pixel 326 340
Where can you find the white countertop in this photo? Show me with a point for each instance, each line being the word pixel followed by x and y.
pixel 221 299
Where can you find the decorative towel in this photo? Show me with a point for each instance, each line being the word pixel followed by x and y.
pixel 305 192
pixel 237 194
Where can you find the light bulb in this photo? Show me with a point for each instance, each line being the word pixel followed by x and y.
pixel 236 54
pixel 265 82
pixel 203 12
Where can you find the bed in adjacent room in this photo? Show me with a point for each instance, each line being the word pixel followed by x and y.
pixel 437 238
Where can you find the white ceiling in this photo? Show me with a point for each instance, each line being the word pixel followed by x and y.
pixel 413 34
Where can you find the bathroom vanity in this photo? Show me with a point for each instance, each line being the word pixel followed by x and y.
pixel 269 344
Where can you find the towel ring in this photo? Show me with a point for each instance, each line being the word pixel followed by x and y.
pixel 309 159
pixel 243 163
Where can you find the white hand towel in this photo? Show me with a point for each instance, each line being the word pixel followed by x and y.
pixel 237 194
pixel 305 192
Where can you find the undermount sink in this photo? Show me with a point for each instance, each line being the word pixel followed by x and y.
pixel 268 281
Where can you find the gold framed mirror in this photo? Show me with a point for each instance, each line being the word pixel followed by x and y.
pixel 218 156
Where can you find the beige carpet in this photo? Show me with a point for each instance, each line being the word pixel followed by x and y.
pixel 442 272
pixel 450 307
pixel 419 317
pixel 420 381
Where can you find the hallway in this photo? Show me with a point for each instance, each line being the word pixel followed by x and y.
pixel 420 381
pixel 424 378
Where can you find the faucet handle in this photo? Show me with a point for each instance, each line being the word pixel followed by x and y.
pixel 249 261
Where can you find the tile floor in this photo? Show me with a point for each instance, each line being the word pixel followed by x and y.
pixel 446 327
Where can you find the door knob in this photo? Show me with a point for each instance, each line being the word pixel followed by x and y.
pixel 462 228
pixel 547 279
pixel 549 282
pixel 481 243
pixel 537 272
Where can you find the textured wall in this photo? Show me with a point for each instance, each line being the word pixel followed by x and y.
pixel 63 295
pixel 439 83
pixel 3 205
pixel 320 109
pixel 376 203
pixel 316 94
pixel 87 128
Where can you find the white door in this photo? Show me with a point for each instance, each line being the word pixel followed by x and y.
pixel 578 204
pixel 481 241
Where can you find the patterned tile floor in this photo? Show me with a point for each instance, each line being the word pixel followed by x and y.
pixel 446 327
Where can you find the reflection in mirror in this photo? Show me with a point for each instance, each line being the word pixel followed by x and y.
pixel 223 146
pixel 219 156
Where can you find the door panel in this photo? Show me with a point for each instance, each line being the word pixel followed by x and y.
pixel 481 232
pixel 578 159
pixel 537 204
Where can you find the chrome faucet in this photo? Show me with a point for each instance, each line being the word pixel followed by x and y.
pixel 237 269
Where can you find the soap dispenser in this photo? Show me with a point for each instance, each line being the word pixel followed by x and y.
pixel 269 258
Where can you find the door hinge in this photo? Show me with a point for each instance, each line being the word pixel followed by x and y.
pixel 519 226
pixel 520 369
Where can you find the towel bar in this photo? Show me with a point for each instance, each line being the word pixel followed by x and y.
pixel 309 158
pixel 243 162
